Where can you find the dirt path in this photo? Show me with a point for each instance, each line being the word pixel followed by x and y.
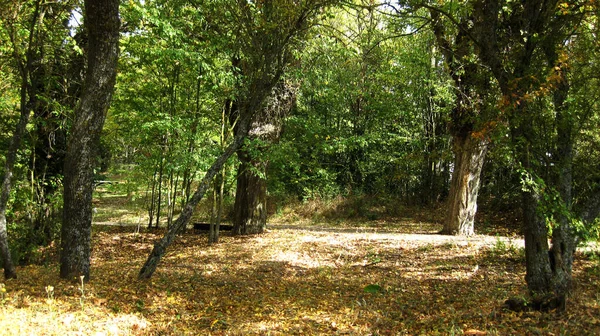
pixel 378 234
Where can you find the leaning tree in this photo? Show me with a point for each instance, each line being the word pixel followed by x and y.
pixel 262 38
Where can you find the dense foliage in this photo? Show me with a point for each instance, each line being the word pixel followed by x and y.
pixel 383 104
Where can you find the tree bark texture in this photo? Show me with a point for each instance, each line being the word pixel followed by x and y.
pixel 250 208
pixel 469 156
pixel 469 123
pixel 101 19
pixel 509 46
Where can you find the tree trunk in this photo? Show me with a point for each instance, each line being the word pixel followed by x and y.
pixel 102 24
pixel 563 237
pixel 151 208
pixel 213 237
pixel 26 106
pixel 467 118
pixel 161 246
pixel 159 191
pixel 9 164
pixel 250 208
pixel 469 157
pixel 221 183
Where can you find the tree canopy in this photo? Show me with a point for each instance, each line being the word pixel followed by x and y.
pixel 201 111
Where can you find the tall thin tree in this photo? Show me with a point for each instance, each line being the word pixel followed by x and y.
pixel 25 63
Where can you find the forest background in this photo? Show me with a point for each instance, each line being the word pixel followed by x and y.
pixel 469 116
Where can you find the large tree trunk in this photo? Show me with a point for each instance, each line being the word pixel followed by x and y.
pixel 549 268
pixel 534 25
pixel 102 24
pixel 469 135
pixel 250 208
pixel 469 157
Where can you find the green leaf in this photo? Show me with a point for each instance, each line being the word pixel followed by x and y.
pixel 373 289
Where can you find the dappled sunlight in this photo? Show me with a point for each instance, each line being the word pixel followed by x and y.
pixel 24 322
pixel 292 281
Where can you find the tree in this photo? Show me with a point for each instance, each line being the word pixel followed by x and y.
pixel 371 114
pixel 101 20
pixel 470 125
pixel 521 43
pixel 263 38
pixel 24 60
pixel 250 208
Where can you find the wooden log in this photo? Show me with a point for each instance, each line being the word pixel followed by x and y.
pixel 206 227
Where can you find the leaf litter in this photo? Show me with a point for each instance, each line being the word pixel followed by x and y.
pixel 295 280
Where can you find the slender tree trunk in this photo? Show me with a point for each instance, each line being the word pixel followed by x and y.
pixel 220 179
pixel 159 191
pixel 212 200
pixel 9 164
pixel 160 247
pixel 173 201
pixel 151 208
pixel 221 182
pixel 469 156
pixel 102 24
pixel 26 106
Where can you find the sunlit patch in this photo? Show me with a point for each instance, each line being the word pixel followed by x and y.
pixel 291 281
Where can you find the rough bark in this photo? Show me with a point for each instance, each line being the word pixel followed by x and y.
pixel 250 208
pixel 468 117
pixel 462 202
pixel 102 25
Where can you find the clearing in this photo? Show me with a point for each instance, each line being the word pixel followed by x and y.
pixel 295 279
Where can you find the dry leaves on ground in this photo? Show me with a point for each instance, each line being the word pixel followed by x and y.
pixel 295 280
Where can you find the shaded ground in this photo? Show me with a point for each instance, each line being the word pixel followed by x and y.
pixel 294 280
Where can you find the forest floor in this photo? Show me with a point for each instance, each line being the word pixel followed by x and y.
pixel 381 277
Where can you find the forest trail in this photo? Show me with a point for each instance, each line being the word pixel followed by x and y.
pixel 382 234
